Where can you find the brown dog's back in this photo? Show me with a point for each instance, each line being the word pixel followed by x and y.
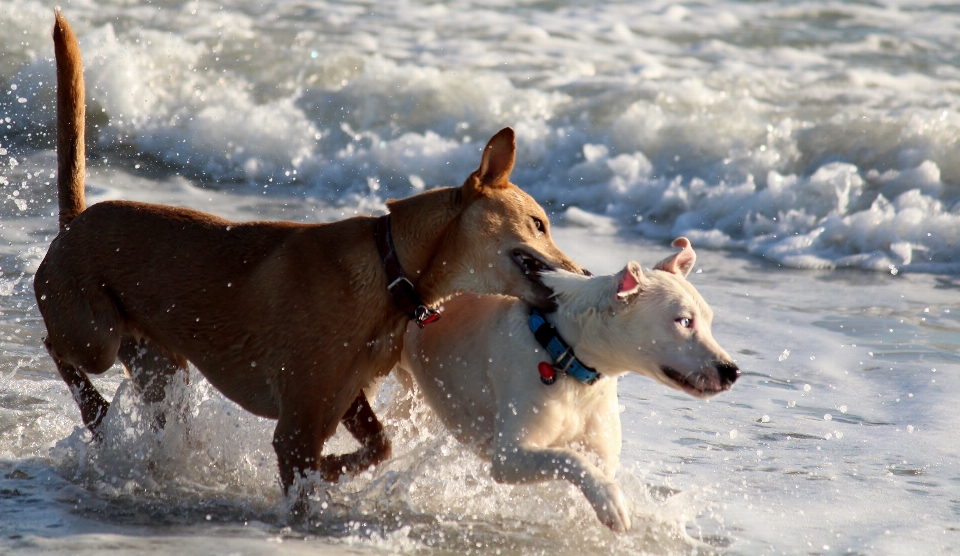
pixel 231 296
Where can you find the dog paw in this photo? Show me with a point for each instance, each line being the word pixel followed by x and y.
pixel 611 509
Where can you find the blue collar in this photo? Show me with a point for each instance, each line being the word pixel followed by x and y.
pixel 564 360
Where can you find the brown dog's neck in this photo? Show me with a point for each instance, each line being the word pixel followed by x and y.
pixel 419 226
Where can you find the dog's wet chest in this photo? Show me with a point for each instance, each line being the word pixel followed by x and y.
pixel 571 408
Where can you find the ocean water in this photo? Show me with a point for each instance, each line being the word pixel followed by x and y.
pixel 808 149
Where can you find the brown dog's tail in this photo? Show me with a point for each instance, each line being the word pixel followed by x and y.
pixel 71 115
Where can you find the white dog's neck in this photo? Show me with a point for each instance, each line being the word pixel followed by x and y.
pixel 579 300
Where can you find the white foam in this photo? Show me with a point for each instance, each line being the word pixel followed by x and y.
pixel 737 143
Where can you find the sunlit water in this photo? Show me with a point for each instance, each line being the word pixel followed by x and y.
pixel 791 138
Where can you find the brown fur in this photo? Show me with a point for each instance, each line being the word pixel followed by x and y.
pixel 71 113
pixel 288 320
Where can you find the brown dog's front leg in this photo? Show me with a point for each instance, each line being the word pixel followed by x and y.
pixel 301 433
pixel 298 449
pixel 374 443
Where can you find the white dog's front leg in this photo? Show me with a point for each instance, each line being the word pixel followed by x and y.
pixel 516 464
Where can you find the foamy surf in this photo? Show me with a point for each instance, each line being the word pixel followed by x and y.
pixel 810 143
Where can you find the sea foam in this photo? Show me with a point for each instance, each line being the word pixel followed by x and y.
pixel 832 151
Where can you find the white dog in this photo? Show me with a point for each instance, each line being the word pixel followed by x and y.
pixel 523 398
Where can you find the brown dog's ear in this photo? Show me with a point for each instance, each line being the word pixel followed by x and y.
pixel 628 281
pixel 495 165
pixel 679 263
pixel 498 158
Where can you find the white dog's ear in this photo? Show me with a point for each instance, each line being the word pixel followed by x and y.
pixel 628 281
pixel 679 263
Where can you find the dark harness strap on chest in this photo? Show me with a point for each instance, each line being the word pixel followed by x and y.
pixel 564 360
pixel 404 295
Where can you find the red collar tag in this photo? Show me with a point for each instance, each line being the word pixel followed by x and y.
pixel 424 315
pixel 548 375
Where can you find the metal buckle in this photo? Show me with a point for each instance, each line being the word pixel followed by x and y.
pixel 396 282
pixel 566 353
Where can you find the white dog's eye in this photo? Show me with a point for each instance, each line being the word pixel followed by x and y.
pixel 685 322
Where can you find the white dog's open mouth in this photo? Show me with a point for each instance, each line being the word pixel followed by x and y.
pixel 701 384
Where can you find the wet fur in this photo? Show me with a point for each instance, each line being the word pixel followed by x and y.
pixel 288 320
pixel 478 370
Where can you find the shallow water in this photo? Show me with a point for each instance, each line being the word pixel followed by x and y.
pixel 840 434
pixel 778 136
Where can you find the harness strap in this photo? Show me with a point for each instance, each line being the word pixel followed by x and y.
pixel 564 360
pixel 404 295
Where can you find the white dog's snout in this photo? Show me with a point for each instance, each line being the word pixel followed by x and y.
pixel 706 382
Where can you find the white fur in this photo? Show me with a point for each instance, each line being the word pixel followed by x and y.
pixel 477 368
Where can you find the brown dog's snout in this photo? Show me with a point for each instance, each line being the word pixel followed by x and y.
pixel 728 371
pixel 562 262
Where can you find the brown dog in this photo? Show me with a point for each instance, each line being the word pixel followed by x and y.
pixel 288 320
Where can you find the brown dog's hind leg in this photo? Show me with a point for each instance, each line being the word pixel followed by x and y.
pixel 93 406
pixel 374 443
pixel 151 368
